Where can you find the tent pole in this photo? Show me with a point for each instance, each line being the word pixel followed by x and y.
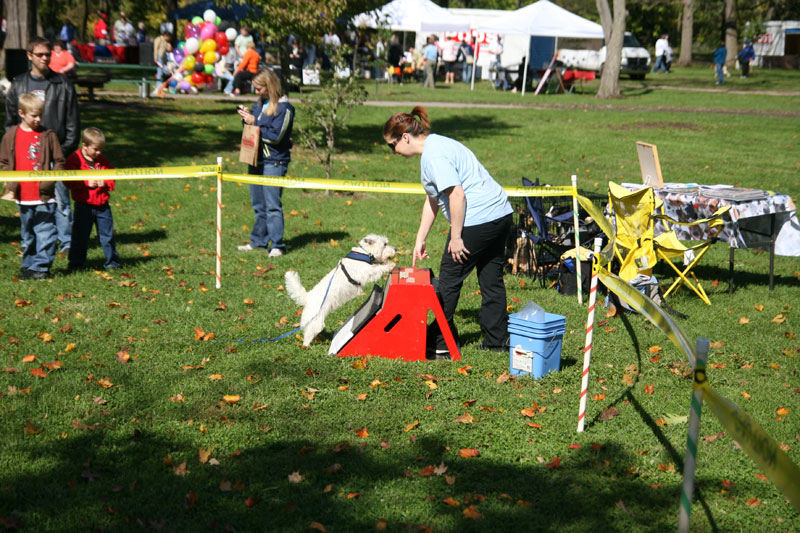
pixel 474 62
pixel 525 72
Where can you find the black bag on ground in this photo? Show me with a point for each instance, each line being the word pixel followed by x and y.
pixel 568 282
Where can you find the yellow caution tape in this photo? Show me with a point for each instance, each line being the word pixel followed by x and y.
pixel 761 448
pixel 375 186
pixel 112 174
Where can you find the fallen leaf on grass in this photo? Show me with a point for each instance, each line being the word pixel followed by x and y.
pixel 627 379
pixel 362 432
pixel 718 365
pixel 203 455
pixel 231 399
pixel 295 477
pixel 744 320
pixel 608 413
pixel 654 349
pixel 411 426
pixel 782 411
pixel 38 372
pixel 353 495
pixel 711 438
pixel 758 307
pixel 502 378
pixel 317 526
pixel 655 359
pixel 667 467
pixel 29 358
pixel 466 418
pixel 181 470
pixel 251 501
pixel 745 395
pixel 30 429
pixel 464 370
pixel 360 363
pixel 529 412
pixel 381 525
pixel 779 319
pixel 598 397
pixel 761 476
pixel 361 397
pixel 753 502
pixel 555 463
pixel 472 512
pixel 466 453
pixel 452 502
pixel 649 389
pixel 535 425
pixel 105 383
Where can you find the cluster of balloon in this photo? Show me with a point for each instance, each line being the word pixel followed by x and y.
pixel 204 46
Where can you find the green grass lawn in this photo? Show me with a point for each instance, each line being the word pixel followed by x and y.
pixel 132 433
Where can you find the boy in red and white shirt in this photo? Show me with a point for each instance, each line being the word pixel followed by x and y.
pixel 91 202
pixel 32 148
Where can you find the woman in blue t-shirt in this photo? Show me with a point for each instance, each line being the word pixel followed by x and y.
pixel 480 218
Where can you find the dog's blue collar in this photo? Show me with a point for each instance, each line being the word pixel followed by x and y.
pixel 358 256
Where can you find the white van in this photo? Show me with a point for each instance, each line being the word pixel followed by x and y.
pixel 635 59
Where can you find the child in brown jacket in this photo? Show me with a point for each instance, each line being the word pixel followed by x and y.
pixel 30 147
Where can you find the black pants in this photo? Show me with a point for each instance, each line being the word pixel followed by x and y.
pixel 486 244
pixel 242 79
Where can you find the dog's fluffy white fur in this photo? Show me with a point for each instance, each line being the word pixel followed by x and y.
pixel 316 306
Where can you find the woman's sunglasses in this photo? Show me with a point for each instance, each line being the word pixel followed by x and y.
pixel 393 145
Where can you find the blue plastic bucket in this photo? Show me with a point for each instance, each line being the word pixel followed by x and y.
pixel 535 347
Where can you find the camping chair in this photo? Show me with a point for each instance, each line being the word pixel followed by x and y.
pixel 553 235
pixel 637 247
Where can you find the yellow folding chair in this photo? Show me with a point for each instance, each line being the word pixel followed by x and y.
pixel 669 247
pixel 638 249
pixel 632 214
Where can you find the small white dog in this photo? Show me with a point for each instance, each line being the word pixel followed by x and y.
pixel 365 264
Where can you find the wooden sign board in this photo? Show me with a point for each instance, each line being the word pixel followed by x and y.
pixel 648 161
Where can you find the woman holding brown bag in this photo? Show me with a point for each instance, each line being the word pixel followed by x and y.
pixel 274 116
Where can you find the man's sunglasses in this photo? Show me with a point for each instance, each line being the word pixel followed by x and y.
pixel 41 55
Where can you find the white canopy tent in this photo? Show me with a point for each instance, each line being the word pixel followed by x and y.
pixel 541 19
pixel 544 19
pixel 403 15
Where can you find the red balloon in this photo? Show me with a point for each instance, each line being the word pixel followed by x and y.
pixel 186 29
pixel 223 49
pixel 199 57
pixel 198 78
pixel 220 38
pixel 209 78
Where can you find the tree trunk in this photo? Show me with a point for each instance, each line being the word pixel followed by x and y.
pixel 687 34
pixel 731 35
pixel 605 18
pixel 609 80
pixel 21 23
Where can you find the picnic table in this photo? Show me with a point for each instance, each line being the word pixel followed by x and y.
pixel 95 75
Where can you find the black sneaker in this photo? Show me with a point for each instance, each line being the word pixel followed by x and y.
pixel 40 275
pixel 24 273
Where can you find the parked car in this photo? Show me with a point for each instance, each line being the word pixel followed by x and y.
pixel 635 59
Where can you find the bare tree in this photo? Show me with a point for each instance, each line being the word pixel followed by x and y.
pixel 605 18
pixel 731 34
pixel 21 16
pixel 687 34
pixel 609 78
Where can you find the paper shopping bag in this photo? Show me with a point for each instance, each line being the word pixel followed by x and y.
pixel 248 153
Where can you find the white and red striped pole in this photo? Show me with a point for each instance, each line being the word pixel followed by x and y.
pixel 587 351
pixel 219 224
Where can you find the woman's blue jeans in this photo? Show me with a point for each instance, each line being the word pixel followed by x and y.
pixel 266 201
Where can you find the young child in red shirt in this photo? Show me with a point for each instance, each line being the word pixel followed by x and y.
pixel 91 202
pixel 30 147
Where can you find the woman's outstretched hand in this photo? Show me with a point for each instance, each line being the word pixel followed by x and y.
pixel 419 253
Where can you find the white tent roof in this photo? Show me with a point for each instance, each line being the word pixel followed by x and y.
pixel 544 19
pixel 403 15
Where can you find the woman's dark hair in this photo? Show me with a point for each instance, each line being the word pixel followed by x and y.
pixel 415 124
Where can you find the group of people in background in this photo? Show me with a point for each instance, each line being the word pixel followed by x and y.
pixel 663 62
pixel 42 129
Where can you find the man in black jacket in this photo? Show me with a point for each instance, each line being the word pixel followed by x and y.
pixel 60 115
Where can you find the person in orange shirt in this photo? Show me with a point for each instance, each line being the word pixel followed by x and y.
pixel 61 60
pixel 246 70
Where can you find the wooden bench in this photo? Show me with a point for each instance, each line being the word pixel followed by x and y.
pixel 91 81
pixel 93 73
